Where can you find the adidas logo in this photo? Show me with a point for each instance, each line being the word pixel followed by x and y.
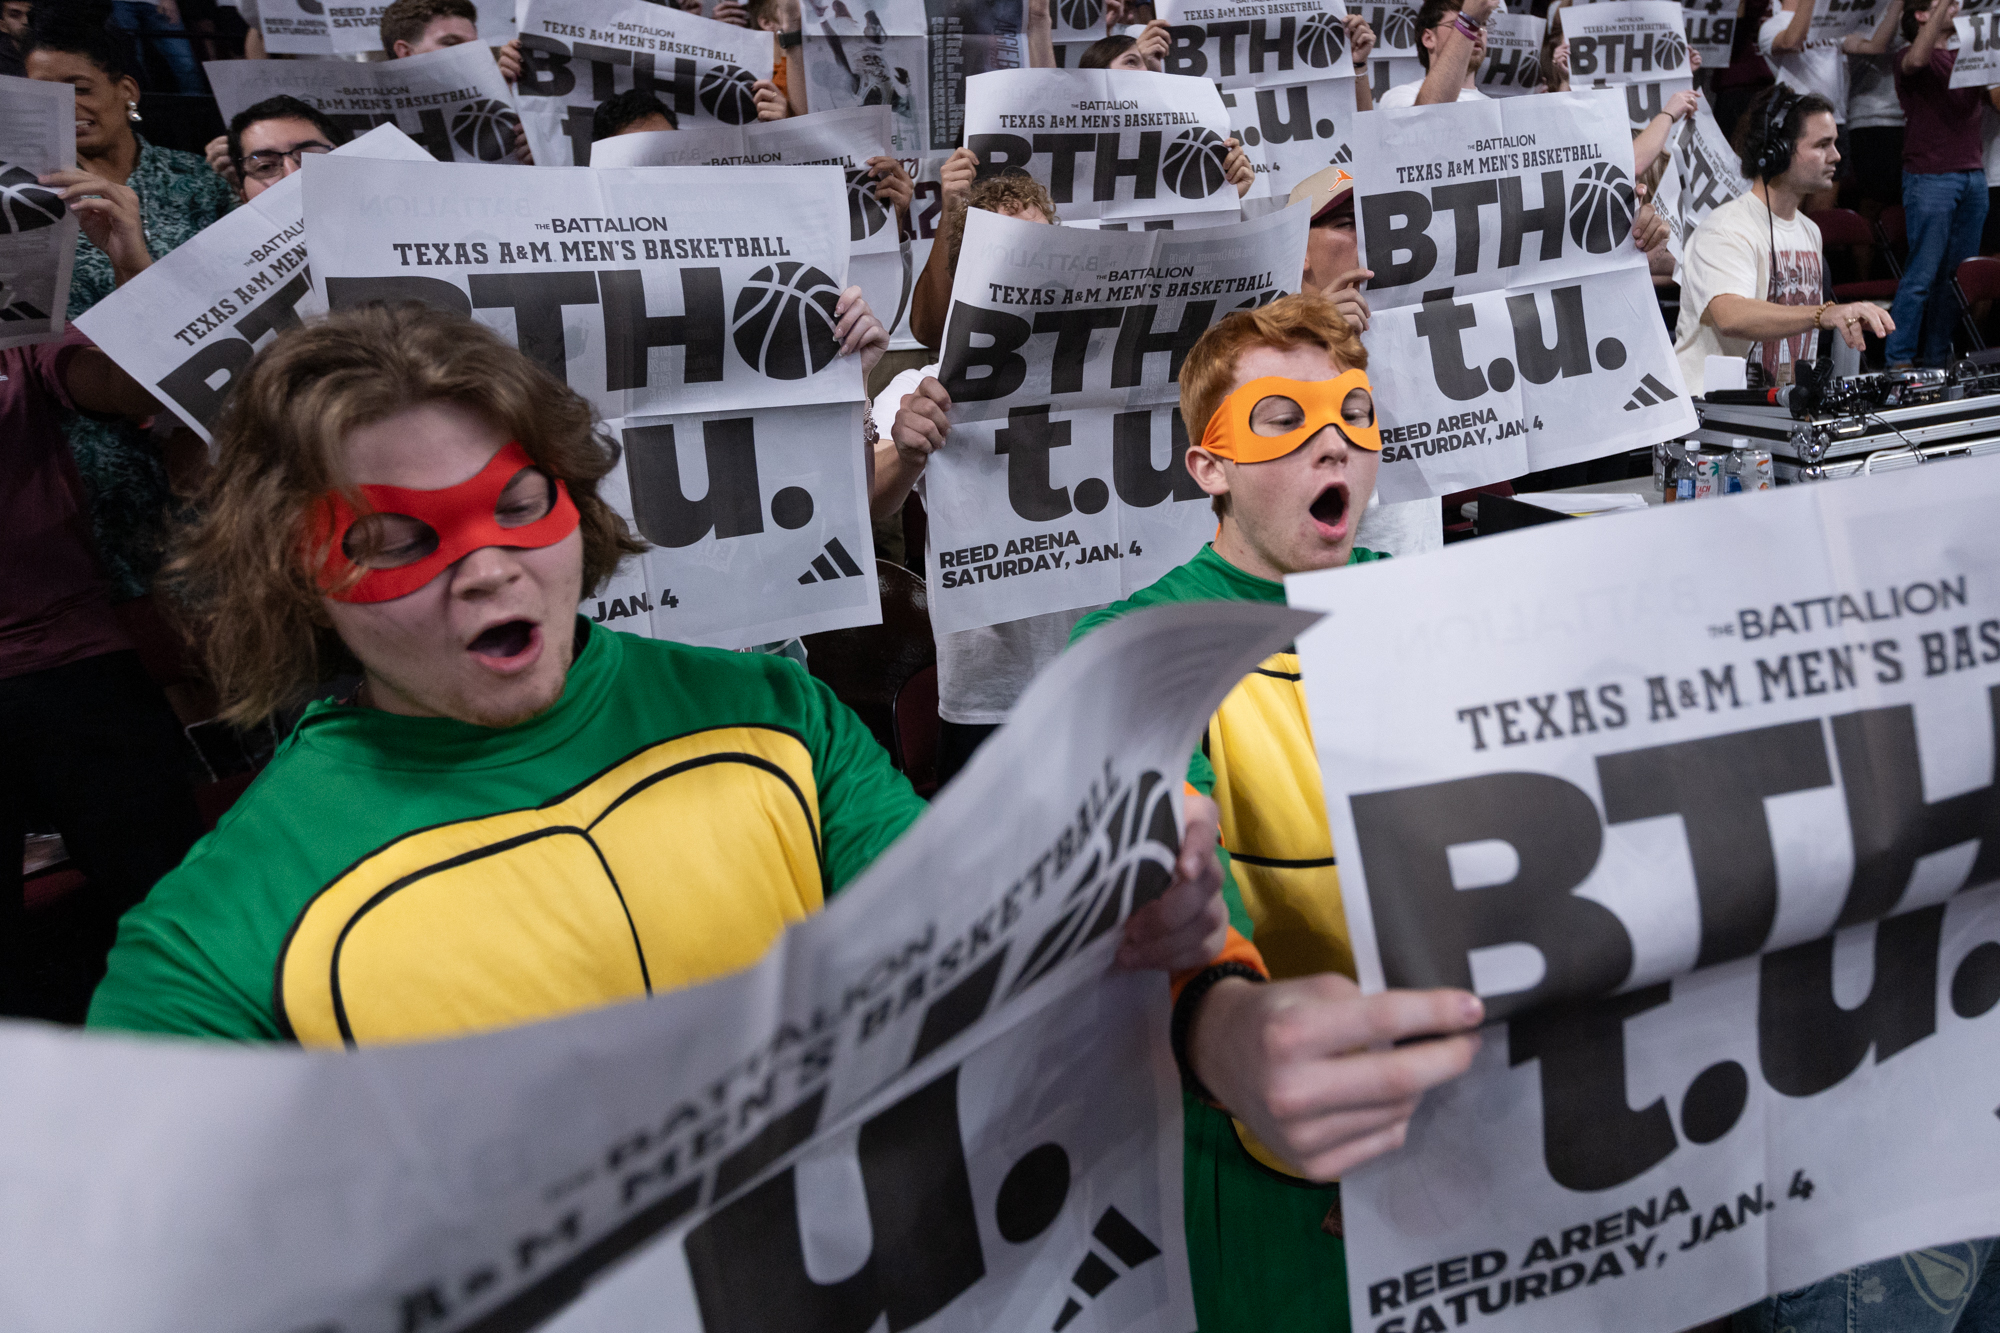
pixel 1649 393
pixel 823 570
pixel 1346 153
pixel 1115 1232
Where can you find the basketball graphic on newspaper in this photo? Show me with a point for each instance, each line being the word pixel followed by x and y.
pixel 865 213
pixel 1080 15
pixel 24 204
pixel 1322 41
pixel 1601 208
pixel 1530 70
pixel 1670 49
pixel 1399 29
pixel 485 129
pixel 783 323
pixel 727 92
pixel 1192 164
pixel 1261 299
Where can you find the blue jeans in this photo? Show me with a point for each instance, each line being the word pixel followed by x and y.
pixel 1949 1289
pixel 143 20
pixel 1946 211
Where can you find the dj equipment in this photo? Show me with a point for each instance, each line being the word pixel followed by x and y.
pixel 1821 427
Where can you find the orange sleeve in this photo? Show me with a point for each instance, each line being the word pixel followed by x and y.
pixel 1235 949
pixel 778 67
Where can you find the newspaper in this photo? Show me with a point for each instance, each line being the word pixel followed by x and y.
pixel 1514 324
pixel 1705 176
pixel 1513 63
pixel 1064 483
pixel 188 326
pixel 1703 802
pixel 1626 41
pixel 912 56
pixel 453 101
pixel 1394 23
pixel 1111 143
pixel 1978 62
pixel 577 53
pixel 928 1103
pixel 37 232
pixel 694 307
pixel 1073 26
pixel 1392 73
pixel 312 28
pixel 1711 30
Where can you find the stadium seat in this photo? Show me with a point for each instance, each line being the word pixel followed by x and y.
pixel 1978 282
pixel 1845 229
pixel 915 713
pixel 868 666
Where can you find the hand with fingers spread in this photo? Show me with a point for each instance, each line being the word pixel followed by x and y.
pixel 1307 1064
pixel 1856 320
pixel 1185 926
pixel 1236 167
pixel 109 216
pixel 855 325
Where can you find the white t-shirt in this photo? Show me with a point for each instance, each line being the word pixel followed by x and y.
pixel 1730 255
pixel 1871 89
pixel 1405 94
pixel 1403 529
pixel 982 672
pixel 1820 68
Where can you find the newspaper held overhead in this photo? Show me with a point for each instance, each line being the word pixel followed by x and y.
pixel 189 325
pixel 1394 23
pixel 1513 63
pixel 37 232
pixel 928 1100
pixel 1626 41
pixel 1978 62
pixel 1703 801
pixel 452 101
pixel 1706 175
pixel 1711 30
pixel 694 307
pixel 1113 143
pixel 311 28
pixel 914 57
pixel 1515 326
pixel 577 53
pixel 1063 484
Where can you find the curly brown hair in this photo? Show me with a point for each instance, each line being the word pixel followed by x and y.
pixel 242 575
pixel 1011 191
pixel 405 20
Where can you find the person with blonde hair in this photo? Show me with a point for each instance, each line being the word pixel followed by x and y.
pixel 512 813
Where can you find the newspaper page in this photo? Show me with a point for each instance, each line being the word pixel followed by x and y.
pixel 188 326
pixel 453 101
pixel 1707 174
pixel 1978 63
pixel 1514 324
pixel 928 1104
pixel 1711 30
pixel 1513 55
pixel 37 232
pixel 1286 76
pixel 1073 26
pixel 912 56
pixel 1394 23
pixel 312 28
pixel 694 307
pixel 880 262
pixel 1064 482
pixel 1626 41
pixel 577 53
pixel 1703 802
pixel 1116 144
pixel 1834 20
pixel 1391 73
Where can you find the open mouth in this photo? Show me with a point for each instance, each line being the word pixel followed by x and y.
pixel 510 638
pixel 1331 506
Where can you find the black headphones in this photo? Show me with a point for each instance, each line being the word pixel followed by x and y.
pixel 1774 146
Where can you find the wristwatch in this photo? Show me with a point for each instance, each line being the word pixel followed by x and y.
pixel 788 40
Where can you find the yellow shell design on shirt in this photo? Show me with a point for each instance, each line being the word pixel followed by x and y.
pixel 676 865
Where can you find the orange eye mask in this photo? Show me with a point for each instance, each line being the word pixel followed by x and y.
pixel 1293 411
pixel 409 537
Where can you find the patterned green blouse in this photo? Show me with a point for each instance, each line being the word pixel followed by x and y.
pixel 178 196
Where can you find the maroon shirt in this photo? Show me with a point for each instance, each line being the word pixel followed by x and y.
pixel 1940 122
pixel 55 605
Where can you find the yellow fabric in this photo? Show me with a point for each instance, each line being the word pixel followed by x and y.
pixel 1268 790
pixel 677 865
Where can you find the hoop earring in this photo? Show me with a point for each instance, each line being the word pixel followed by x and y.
pixel 132 112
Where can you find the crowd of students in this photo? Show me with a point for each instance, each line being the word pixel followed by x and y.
pixel 383 555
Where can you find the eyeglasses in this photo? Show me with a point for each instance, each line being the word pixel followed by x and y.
pixel 270 164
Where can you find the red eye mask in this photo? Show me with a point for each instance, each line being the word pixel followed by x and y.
pixel 420 534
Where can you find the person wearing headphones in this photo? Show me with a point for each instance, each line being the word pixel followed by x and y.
pixel 1753 278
